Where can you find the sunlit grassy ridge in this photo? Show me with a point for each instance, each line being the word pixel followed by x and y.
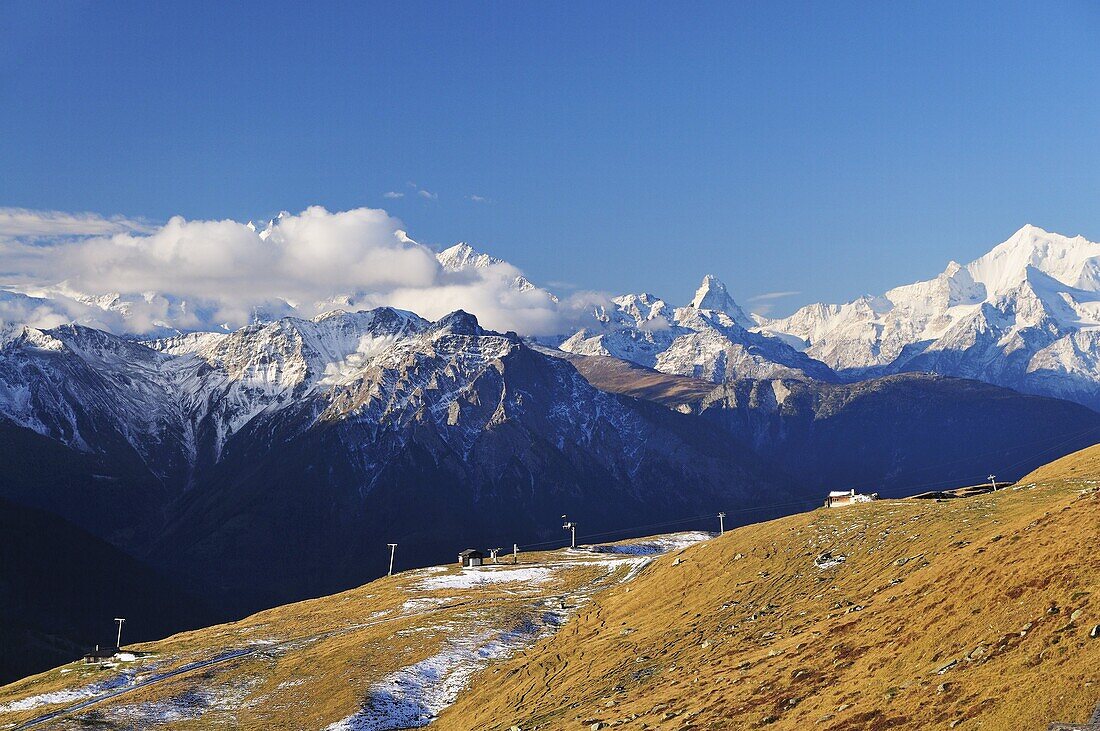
pixel 964 613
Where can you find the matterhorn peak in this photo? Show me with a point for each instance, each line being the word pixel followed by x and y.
pixel 713 295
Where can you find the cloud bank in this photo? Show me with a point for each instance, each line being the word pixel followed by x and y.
pixel 128 277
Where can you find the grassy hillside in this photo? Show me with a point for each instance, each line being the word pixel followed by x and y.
pixel 965 613
pixel 389 654
pixel 1081 465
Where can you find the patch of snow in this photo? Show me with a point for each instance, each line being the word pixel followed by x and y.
pixel 473 577
pixel 68 696
pixel 655 545
pixel 413 696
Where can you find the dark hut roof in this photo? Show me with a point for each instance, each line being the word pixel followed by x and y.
pixel 469 552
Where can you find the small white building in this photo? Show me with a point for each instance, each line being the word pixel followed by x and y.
pixel 840 498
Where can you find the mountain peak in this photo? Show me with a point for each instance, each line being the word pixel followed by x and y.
pixel 1068 260
pixel 713 295
pixel 463 256
pixel 459 322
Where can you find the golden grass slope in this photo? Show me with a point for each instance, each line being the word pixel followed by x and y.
pixel 314 663
pixel 1081 465
pixel 967 613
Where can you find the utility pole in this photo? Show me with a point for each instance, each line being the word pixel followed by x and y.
pixel 493 554
pixel 572 528
pixel 993 481
pixel 393 550
pixel 118 640
pixel 515 553
pixel 721 524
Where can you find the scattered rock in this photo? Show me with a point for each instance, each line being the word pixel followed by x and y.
pixel 943 687
pixel 1076 615
pixel 827 560
pixel 1095 633
pixel 947 667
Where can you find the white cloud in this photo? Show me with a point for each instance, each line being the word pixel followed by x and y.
pixel 478 198
pixel 393 195
pixel 427 194
pixel 21 222
pixel 196 275
pixel 773 296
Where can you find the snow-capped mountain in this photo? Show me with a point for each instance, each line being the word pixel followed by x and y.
pixel 462 257
pixel 326 431
pixel 709 338
pixel 1026 315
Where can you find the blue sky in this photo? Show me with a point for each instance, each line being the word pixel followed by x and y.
pixel 828 149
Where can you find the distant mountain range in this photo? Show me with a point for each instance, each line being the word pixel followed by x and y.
pixel 1026 316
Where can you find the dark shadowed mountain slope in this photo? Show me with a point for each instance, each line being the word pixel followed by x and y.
pixel 474 440
pixel 898 433
pixel 277 461
pixel 60 587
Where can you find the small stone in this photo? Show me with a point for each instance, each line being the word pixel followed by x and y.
pixel 1095 634
pixel 947 667
pixel 943 687
pixel 596 726
pixel 1076 615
